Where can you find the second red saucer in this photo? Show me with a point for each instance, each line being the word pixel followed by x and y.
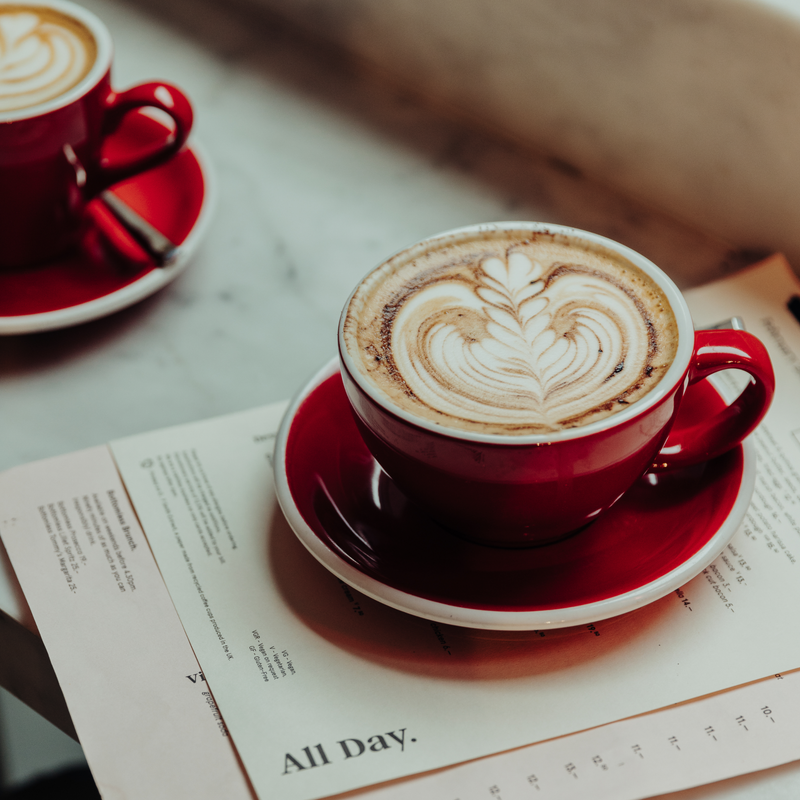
pixel 175 198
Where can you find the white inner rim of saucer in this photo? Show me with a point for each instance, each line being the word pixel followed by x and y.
pixel 503 620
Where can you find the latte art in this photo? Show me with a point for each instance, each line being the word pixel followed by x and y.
pixel 517 337
pixel 43 54
pixel 510 346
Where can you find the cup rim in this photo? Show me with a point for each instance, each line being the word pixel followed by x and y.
pixel 101 66
pixel 671 379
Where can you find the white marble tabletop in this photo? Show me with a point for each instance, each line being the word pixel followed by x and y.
pixel 319 173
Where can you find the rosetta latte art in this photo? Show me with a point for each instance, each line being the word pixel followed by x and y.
pixel 517 347
pixel 510 331
pixel 40 58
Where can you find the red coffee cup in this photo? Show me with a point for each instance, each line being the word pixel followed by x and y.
pixel 517 490
pixel 51 147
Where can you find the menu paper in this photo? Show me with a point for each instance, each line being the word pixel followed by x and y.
pixel 742 730
pixel 325 691
pixel 148 723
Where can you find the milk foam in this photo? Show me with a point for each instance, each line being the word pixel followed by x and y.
pixel 42 55
pixel 514 336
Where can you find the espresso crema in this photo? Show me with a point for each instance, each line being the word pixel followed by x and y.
pixel 511 332
pixel 43 54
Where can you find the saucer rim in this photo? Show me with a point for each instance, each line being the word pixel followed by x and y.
pixel 488 619
pixel 151 282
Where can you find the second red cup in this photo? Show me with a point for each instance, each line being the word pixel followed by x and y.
pixel 57 107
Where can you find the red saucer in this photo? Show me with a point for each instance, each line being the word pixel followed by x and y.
pixel 350 515
pixel 174 198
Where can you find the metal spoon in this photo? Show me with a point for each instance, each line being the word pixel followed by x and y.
pixel 158 247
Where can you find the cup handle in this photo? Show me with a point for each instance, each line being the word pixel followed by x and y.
pixel 714 351
pixel 163 96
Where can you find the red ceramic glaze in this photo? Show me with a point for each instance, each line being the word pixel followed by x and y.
pixel 510 494
pixel 503 493
pixel 170 197
pixel 709 434
pixel 534 489
pixel 52 163
pixel 363 517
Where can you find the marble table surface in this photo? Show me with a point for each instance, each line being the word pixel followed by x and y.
pixel 320 172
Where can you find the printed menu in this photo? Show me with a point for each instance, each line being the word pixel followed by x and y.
pixel 144 714
pixel 325 691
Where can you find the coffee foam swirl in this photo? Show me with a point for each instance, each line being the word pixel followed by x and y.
pixel 43 54
pixel 524 340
